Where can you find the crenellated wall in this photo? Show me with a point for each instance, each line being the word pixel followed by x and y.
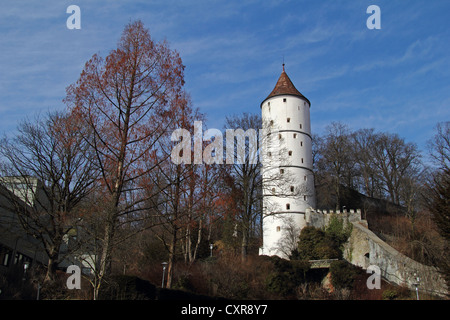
pixel 364 249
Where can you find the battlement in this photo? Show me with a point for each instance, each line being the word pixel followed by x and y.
pixel 320 218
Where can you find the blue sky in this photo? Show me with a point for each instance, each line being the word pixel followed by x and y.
pixel 396 79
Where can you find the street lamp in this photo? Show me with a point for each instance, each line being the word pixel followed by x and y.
pixel 164 264
pixel 211 246
pixel 416 284
pixel 25 267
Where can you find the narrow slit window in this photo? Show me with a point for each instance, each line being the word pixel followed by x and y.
pixel 281 171
pixel 305 198
pixel 295 136
pixel 292 188
pixel 290 153
pixel 301 143
pixel 300 125
pixel 278 228
pixel 302 160
pixel 288 206
pixel 288 120
pixel 284 99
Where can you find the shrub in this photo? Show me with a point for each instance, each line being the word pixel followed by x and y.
pixel 389 294
pixel 316 244
pixel 123 287
pixel 287 276
pixel 343 274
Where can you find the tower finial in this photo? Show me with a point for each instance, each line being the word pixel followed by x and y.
pixel 283 63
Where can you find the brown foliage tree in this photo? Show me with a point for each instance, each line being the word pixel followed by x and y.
pixel 128 99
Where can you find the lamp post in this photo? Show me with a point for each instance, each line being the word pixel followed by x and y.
pixel 25 268
pixel 164 264
pixel 416 284
pixel 211 246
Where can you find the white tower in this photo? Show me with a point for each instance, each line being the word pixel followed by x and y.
pixel 288 180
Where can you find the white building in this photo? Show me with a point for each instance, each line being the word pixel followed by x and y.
pixel 288 180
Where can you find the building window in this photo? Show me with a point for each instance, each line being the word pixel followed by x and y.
pixel 278 228
pixel 292 188
pixel 301 143
pixel 295 136
pixel 269 154
pixel 305 178
pixel 304 198
pixel 273 190
pixel 5 255
pixel 279 136
pixel 290 153
pixel 271 123
pixel 302 160
pixel 284 99
pixel 300 125
pixel 281 171
pixel 288 120
pixel 288 206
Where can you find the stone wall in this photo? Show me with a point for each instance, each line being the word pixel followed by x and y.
pixel 364 249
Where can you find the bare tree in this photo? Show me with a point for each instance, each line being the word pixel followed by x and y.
pixel 394 160
pixel 440 146
pixel 438 191
pixel 363 141
pixel 47 171
pixel 336 158
pixel 244 172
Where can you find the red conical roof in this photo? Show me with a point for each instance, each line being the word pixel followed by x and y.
pixel 285 86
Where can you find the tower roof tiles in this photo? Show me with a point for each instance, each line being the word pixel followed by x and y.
pixel 285 86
